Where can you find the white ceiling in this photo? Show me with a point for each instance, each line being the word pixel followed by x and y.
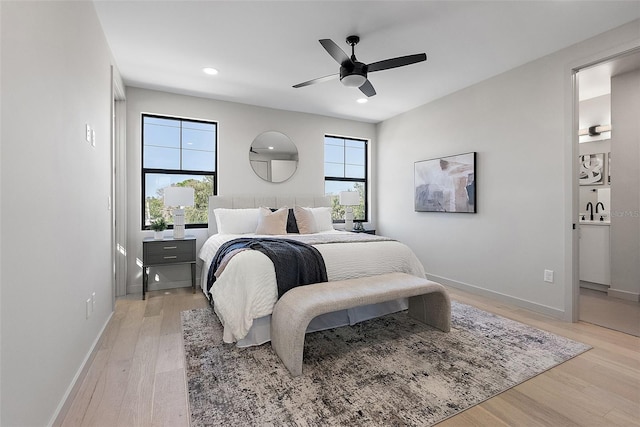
pixel 262 48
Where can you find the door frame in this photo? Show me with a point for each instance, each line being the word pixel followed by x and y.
pixel 572 236
pixel 118 222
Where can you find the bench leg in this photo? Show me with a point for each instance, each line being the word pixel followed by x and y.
pixel 287 340
pixel 433 308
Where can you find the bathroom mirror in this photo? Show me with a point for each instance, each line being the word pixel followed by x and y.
pixel 273 156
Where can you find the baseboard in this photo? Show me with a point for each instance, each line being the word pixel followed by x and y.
pixel 594 286
pixel 625 295
pixel 63 408
pixel 476 290
pixel 135 288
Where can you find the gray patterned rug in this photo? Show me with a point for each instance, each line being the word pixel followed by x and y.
pixel 387 371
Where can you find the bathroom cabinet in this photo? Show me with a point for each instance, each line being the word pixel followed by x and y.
pixel 595 263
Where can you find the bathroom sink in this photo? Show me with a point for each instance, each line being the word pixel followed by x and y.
pixel 595 222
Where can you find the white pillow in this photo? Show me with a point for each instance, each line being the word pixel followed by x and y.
pixel 272 222
pixel 324 222
pixel 236 221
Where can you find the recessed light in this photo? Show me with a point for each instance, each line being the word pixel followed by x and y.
pixel 210 71
pixel 270 148
pixel 362 100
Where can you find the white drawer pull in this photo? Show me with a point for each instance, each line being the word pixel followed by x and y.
pixel 170 257
pixel 170 247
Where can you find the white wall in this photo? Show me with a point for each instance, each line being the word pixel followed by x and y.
pixel 55 224
pixel 1 223
pixel 593 112
pixel 625 183
pixel 238 125
pixel 517 123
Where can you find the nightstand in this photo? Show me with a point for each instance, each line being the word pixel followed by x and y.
pixel 168 251
pixel 364 231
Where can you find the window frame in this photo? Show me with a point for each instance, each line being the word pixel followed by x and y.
pixel 146 171
pixel 364 181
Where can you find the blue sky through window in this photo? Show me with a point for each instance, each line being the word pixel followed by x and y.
pixel 344 158
pixel 175 144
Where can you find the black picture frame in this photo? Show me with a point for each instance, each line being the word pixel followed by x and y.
pixel 446 184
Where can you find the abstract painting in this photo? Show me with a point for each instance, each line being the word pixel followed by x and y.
pixel 446 184
pixel 591 169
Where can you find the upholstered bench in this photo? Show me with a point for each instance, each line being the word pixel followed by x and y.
pixel 428 303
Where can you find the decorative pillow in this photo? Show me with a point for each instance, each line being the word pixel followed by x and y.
pixel 322 215
pixel 292 226
pixel 236 221
pixel 272 222
pixel 306 220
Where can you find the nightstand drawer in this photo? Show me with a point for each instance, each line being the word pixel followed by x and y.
pixel 162 252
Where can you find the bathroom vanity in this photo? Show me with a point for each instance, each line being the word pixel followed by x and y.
pixel 595 263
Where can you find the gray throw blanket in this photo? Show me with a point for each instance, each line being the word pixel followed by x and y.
pixel 295 263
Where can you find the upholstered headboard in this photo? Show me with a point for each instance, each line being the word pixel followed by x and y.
pixel 243 202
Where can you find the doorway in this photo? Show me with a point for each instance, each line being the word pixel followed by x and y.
pixel 605 296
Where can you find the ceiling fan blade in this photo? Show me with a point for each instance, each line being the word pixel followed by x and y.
pixel 400 61
pixel 335 52
pixel 318 80
pixel 367 88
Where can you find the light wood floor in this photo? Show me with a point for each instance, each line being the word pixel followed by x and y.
pixel 137 377
pixel 614 313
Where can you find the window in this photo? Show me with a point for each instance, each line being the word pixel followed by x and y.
pixel 177 152
pixel 345 169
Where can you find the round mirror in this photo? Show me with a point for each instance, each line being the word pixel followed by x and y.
pixel 273 156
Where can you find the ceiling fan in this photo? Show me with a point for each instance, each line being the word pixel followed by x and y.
pixel 353 73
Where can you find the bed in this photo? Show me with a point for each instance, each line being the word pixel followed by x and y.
pixel 245 292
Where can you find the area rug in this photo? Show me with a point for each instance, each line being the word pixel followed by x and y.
pixel 387 371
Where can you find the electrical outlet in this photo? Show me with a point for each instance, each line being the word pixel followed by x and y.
pixel 548 276
pixel 88 133
pixel 88 308
pixel 93 137
pixel 93 302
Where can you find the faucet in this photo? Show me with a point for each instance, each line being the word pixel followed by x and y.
pixel 590 209
pixel 599 204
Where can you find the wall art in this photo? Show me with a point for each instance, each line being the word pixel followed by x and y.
pixel 591 169
pixel 446 184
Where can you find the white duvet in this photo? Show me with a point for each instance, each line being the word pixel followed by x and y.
pixel 247 289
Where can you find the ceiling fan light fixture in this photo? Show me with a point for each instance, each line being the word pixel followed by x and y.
pixel 353 73
pixel 353 80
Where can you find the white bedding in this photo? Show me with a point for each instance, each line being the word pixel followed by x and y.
pixel 246 290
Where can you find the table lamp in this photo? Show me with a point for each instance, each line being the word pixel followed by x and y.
pixel 348 199
pixel 178 197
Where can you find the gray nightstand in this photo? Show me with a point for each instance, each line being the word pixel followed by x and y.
pixel 168 251
pixel 364 231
